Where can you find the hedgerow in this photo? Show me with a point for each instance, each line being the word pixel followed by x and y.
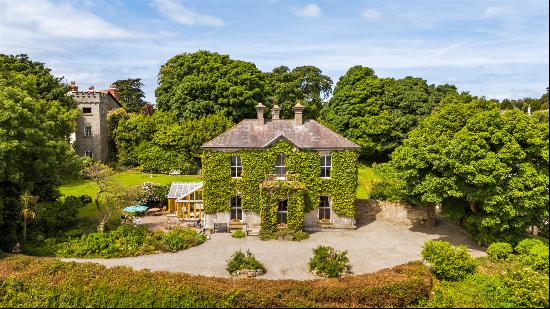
pixel 46 282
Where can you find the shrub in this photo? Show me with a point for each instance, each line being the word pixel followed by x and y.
pixel 500 250
pixel 533 253
pixel 300 235
pixel 448 262
pixel 267 233
pixel 182 238
pixel 525 288
pixel 238 234
pixel 45 282
pixel 328 262
pixel 240 261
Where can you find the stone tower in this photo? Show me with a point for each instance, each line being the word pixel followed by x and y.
pixel 92 129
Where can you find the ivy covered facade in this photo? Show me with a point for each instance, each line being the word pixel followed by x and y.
pixel 280 173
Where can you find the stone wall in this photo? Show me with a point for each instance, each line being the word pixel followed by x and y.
pixel 368 210
pixel 311 221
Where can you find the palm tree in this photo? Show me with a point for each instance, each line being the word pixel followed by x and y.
pixel 27 201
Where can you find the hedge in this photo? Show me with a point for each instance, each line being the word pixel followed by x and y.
pixel 46 282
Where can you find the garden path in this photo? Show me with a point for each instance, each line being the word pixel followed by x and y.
pixel 372 247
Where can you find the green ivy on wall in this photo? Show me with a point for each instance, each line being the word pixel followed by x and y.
pixel 303 196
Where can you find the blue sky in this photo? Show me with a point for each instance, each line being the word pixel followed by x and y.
pixel 496 49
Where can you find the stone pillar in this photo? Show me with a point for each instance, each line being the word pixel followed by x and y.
pixel 298 118
pixel 275 112
pixel 260 111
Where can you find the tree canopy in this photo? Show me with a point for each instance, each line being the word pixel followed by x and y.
pixel 130 94
pixel 161 142
pixel 204 83
pixel 306 84
pixel 377 113
pixel 36 118
pixel 488 165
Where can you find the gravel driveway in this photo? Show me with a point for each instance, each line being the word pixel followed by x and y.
pixel 372 247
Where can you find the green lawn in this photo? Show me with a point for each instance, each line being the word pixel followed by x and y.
pixel 366 179
pixel 132 178
pixel 126 178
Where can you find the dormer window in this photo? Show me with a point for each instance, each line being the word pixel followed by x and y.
pixel 280 168
pixel 236 167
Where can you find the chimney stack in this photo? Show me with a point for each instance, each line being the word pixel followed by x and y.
pixel 298 109
pixel 260 111
pixel 113 90
pixel 275 112
pixel 73 87
pixel 91 89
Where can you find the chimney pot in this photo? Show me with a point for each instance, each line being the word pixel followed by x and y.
pixel 260 111
pixel 298 118
pixel 275 112
pixel 73 87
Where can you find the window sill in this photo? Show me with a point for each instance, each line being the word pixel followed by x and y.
pixel 237 177
pixel 325 177
pixel 87 114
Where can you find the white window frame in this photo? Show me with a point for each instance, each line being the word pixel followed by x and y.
pixel 236 207
pixel 86 132
pixel 237 167
pixel 280 166
pixel 326 168
pixel 323 208
pixel 89 153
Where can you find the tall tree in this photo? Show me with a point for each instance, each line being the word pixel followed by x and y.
pixel 130 94
pixel 204 83
pixel 377 113
pixel 36 118
pixel 306 84
pixel 476 160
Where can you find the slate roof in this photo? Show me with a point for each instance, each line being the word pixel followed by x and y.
pixel 250 134
pixel 181 189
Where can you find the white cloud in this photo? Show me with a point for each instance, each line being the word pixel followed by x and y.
pixel 371 14
pixel 182 15
pixel 496 11
pixel 311 10
pixel 41 18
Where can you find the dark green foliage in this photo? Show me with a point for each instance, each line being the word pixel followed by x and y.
pixel 180 239
pixel 306 84
pixel 161 143
pixel 500 250
pixel 377 113
pixel 522 104
pixel 32 282
pixel 492 164
pixel 193 85
pixel 533 253
pixel 238 234
pixel 241 261
pixel 130 94
pixel 55 217
pixel 328 262
pixel 36 118
pixel 154 194
pixel 129 241
pixel 448 262
pixel 389 187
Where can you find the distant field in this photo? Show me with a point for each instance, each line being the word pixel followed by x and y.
pixel 126 178
pixel 133 178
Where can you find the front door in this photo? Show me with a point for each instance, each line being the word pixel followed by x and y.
pixel 282 212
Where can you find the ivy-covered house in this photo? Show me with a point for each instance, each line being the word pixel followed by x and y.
pixel 280 173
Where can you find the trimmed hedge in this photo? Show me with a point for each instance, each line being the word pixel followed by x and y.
pixel 46 282
pixel 448 262
pixel 500 250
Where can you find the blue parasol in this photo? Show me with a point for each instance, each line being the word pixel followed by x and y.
pixel 136 208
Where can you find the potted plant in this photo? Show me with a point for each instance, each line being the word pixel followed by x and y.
pixel 325 223
pixel 235 223
pixel 281 226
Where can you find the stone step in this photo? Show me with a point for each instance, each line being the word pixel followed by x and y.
pixel 253 232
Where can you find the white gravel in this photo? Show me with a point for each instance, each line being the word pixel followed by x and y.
pixel 375 246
